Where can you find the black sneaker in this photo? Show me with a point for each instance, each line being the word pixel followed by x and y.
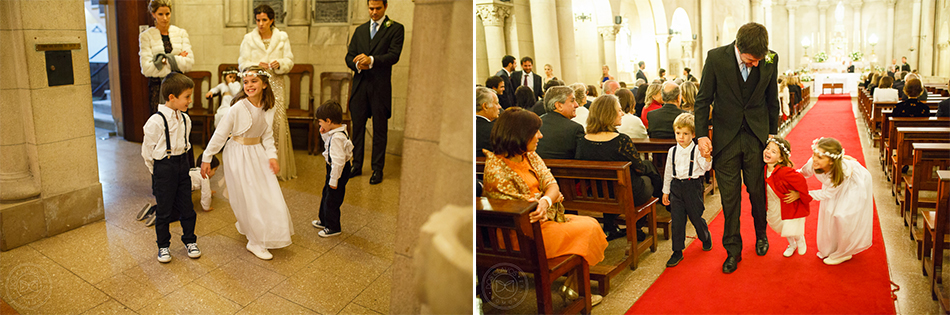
pixel 675 259
pixel 145 211
pixel 150 221
pixel 327 232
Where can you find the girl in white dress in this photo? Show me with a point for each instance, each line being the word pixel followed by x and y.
pixel 787 208
pixel 251 166
pixel 846 213
pixel 228 89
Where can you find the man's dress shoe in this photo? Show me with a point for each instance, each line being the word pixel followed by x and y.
pixel 732 262
pixel 376 178
pixel 761 246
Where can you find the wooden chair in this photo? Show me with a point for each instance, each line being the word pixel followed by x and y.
pixel 935 242
pixel 504 237
pixel 202 118
pixel 295 112
pixel 927 158
pixel 334 86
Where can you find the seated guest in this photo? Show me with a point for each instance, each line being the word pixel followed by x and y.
pixel 943 109
pixel 884 92
pixel 662 75
pixel 538 107
pixel 655 98
pixel 611 86
pixel 560 133
pixel 515 172
pixel 689 77
pixel 636 85
pixel 591 95
pixel 794 91
pixel 486 110
pixel 867 80
pixel 603 143
pixel 662 127
pixel 874 83
pixel 898 84
pixel 688 90
pixel 525 98
pixel 630 124
pixel 548 84
pixel 640 96
pixel 903 96
pixel 497 84
pixel 580 93
pixel 912 107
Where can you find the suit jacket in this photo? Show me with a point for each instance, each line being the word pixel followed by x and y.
pixel 482 135
pixel 640 75
pixel 507 98
pixel 721 85
pixel 385 49
pixel 905 67
pixel 943 109
pixel 560 136
pixel 662 121
pixel 517 80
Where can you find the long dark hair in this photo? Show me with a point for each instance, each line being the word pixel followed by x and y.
pixel 267 98
pixel 266 9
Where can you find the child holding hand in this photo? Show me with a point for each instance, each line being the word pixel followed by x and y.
pixel 787 207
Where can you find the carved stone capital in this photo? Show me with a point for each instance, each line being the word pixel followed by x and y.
pixel 493 14
pixel 791 6
pixel 608 32
pixel 890 3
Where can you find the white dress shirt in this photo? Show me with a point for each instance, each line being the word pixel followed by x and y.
pixel 340 149
pixel 700 165
pixel 153 142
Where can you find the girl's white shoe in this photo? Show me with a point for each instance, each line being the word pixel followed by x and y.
pixel 790 250
pixel 260 252
pixel 802 248
pixel 832 262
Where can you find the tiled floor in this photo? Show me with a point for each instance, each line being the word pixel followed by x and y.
pixel 109 267
pixel 905 270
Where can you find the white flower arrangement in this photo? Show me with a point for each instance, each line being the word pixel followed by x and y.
pixel 821 57
pixel 856 55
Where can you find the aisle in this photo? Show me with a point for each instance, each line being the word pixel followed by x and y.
pixel 773 283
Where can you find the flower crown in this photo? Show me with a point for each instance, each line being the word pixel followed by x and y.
pixel 254 73
pixel 780 145
pixel 814 147
pixel 227 72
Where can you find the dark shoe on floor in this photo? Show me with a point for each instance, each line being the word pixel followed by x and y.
pixel 732 262
pixel 616 233
pixel 150 221
pixel 675 259
pixel 707 246
pixel 376 178
pixel 761 246
pixel 144 212
pixel 356 171
pixel 641 236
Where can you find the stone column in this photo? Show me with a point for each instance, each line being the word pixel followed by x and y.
pixel 792 40
pixel 708 29
pixel 757 12
pixel 49 174
pixel 236 13
pixel 436 165
pixel 663 41
pixel 493 18
pixel 544 29
pixel 912 58
pixel 565 21
pixel 927 38
pixel 299 12
pixel 889 37
pixel 609 35
pixel 822 29
pixel 856 35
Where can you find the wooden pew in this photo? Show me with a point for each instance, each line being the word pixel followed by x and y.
pixel 905 137
pixel 603 187
pixel 505 237
pixel 927 157
pixel 888 143
pixel 876 108
pixel 933 260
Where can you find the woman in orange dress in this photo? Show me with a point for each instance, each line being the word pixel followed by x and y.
pixel 515 171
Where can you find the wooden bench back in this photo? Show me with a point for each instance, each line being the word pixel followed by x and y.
pixel 503 234
pixel 200 78
pixel 892 123
pixel 296 75
pixel 601 186
pixel 928 159
pixel 906 136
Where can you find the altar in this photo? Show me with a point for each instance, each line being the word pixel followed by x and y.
pixel 841 83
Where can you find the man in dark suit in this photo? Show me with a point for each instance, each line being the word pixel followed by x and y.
pixel 740 78
pixel 497 84
pixel 374 49
pixel 904 65
pixel 559 131
pixel 507 66
pixel 486 111
pixel 640 74
pixel 527 77
pixel 661 126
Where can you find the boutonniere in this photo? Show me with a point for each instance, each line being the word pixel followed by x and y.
pixel 388 23
pixel 770 57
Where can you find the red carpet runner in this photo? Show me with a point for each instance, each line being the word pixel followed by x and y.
pixel 773 283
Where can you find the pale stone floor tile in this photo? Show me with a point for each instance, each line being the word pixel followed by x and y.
pixel 376 296
pixel 110 307
pixel 354 308
pixel 353 263
pixel 272 304
pixel 320 291
pixel 287 261
pixel 128 292
pixel 168 277
pixel 35 284
pixel 191 299
pixel 240 281
pixel 93 252
pixel 373 242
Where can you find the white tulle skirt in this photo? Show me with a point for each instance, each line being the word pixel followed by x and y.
pixel 255 196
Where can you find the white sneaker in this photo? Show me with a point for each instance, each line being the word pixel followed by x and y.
pixel 164 255
pixel 327 232
pixel 192 249
pixel 789 251
pixel 802 248
pixel 145 211
pixel 832 262
pixel 317 224
pixel 595 299
pixel 260 252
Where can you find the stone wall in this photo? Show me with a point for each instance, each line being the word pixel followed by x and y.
pixel 49 173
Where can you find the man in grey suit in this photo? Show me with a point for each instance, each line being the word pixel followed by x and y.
pixel 740 78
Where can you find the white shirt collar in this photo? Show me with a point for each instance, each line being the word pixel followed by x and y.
pixel 169 112
pixel 688 147
pixel 379 22
pixel 738 59
pixel 483 117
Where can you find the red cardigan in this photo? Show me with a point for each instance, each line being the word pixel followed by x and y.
pixel 785 179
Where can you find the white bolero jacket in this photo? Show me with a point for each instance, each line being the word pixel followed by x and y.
pixel 237 122
pixel 150 44
pixel 253 51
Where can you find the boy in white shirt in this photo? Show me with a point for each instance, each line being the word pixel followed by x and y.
pixel 683 187
pixel 164 149
pixel 197 183
pixel 338 153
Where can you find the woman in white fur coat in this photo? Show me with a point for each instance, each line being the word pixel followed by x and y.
pixel 269 48
pixel 163 48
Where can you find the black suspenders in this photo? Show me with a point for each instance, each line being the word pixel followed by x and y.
pixel 692 156
pixel 168 142
pixel 330 143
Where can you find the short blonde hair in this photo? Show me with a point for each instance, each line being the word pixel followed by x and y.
pixel 685 120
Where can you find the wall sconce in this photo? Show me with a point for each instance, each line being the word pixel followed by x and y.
pixel 582 17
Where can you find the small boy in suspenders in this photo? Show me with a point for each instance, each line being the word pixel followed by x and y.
pixel 338 153
pixel 164 148
pixel 683 187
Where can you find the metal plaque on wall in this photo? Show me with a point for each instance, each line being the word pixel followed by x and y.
pixel 330 11
pixel 277 5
